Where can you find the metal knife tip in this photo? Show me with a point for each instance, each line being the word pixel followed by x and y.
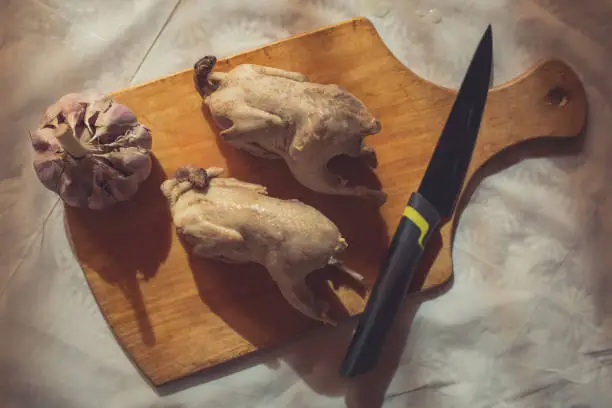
pixel 488 34
pixel 485 47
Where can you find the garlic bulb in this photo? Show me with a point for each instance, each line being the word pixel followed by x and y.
pixel 91 150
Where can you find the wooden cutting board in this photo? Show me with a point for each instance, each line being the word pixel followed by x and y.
pixel 175 315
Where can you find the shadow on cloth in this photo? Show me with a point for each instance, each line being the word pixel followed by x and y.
pixel 317 359
pixel 504 159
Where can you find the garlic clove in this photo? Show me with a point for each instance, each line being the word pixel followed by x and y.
pixel 70 142
pixel 116 115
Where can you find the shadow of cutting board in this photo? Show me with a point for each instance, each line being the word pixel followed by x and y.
pixel 175 315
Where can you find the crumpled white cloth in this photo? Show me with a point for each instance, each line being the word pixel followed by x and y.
pixel 527 322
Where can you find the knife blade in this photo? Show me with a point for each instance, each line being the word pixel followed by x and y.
pixel 426 209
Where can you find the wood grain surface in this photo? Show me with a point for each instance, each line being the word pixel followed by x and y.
pixel 175 315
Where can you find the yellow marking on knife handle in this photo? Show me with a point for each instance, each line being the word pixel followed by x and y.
pixel 414 216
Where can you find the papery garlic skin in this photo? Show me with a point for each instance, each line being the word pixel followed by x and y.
pixel 91 150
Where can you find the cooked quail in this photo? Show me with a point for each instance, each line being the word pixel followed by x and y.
pixel 237 222
pixel 278 114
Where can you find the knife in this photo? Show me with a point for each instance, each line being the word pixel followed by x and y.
pixel 433 202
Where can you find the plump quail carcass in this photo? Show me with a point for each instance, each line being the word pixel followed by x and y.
pixel 91 151
pixel 237 222
pixel 279 114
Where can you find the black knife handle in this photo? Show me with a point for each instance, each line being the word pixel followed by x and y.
pixel 418 221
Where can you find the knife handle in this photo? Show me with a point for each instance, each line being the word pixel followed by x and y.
pixel 418 221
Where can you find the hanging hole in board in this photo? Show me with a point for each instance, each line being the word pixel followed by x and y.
pixel 557 96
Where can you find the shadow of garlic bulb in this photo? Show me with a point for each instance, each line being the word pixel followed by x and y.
pixel 91 150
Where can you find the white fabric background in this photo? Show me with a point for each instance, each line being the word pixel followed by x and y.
pixel 527 322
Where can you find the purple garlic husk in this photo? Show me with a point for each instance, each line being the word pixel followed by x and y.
pixel 91 150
